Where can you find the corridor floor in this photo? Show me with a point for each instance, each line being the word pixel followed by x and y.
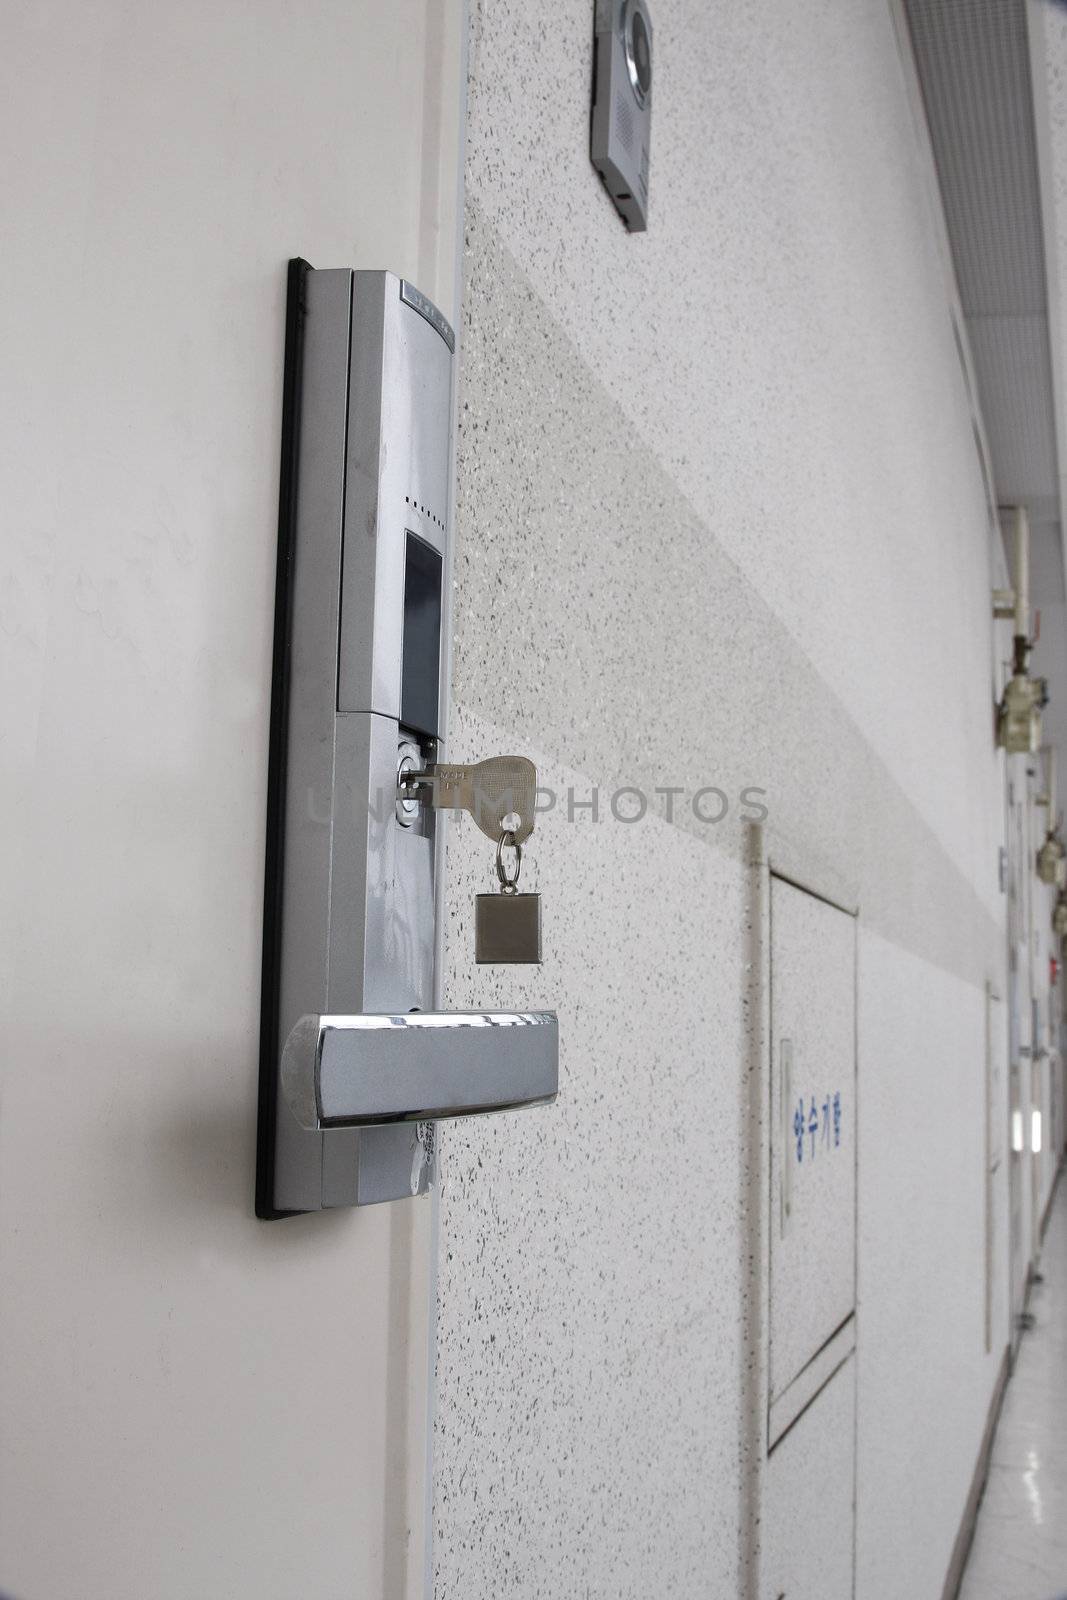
pixel 1020 1544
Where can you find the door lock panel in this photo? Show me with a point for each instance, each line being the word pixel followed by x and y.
pixel 354 859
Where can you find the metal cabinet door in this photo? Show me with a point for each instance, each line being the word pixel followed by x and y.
pixel 808 1548
pixel 997 1116
pixel 813 1128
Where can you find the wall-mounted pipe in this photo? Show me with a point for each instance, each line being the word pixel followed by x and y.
pixel 1022 574
pixel 1022 591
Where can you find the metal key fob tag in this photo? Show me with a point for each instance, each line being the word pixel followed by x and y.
pixel 507 925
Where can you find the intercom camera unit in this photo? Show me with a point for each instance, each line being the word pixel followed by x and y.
pixel 622 105
pixel 355 1063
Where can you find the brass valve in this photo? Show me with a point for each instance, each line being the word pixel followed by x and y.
pixel 1050 860
pixel 1019 715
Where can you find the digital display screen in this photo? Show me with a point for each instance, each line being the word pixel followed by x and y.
pixel 420 674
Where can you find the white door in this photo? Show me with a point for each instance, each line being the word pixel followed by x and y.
pixel 191 1402
pixel 996 1141
pixel 1020 1021
pixel 808 1522
pixel 809 1481
pixel 813 1129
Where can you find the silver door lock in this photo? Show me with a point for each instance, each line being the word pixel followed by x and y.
pixel 356 1062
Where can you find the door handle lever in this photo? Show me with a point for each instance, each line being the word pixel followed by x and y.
pixel 361 1071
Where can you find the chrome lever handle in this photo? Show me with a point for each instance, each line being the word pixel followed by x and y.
pixel 360 1071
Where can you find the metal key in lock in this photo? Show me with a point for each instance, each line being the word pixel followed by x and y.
pixel 507 925
pixel 496 792
pixel 499 794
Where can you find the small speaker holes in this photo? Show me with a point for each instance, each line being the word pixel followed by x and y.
pixel 431 516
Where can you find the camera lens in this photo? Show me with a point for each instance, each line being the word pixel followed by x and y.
pixel 640 55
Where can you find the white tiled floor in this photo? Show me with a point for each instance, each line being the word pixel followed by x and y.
pixel 1020 1544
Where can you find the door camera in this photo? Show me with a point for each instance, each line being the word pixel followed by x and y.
pixel 622 105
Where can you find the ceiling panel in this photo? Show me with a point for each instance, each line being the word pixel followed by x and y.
pixel 1014 373
pixel 974 66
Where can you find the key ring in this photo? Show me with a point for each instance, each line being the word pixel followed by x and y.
pixel 507 885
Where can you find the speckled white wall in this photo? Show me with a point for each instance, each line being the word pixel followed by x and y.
pixel 720 521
